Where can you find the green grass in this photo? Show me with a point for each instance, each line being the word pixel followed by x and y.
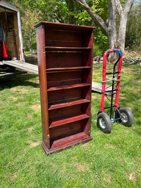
pixel 109 160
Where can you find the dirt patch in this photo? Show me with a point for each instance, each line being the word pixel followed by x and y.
pixel 127 70
pixel 19 104
pixel 124 98
pixel 13 98
pixel 74 158
pixel 109 146
pixel 127 131
pixel 86 145
pixel 82 168
pixel 96 73
pixel 33 144
pixel 23 91
pixel 130 108
pixel 14 89
pixel 29 115
pixel 138 159
pixel 108 178
pixel 30 129
pixel 36 107
pixel 13 176
pixel 94 97
pixel 132 176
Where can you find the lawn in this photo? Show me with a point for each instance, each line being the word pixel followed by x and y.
pixel 109 160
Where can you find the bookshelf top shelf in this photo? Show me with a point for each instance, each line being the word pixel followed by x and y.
pixel 64 26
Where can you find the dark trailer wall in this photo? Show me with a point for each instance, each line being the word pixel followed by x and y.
pixel 9 34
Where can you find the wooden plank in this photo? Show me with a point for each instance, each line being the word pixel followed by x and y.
pixel 67 68
pixel 69 120
pixel 97 87
pixel 22 65
pixel 66 104
pixel 68 86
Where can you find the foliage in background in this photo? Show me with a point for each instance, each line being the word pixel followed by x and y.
pixel 133 34
pixel 68 11
pixel 29 19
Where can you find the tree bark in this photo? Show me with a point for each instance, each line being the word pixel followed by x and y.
pixel 112 24
pixel 123 13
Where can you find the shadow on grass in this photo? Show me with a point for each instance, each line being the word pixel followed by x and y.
pixel 20 80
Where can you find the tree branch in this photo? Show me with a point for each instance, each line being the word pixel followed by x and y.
pixel 98 20
pixel 128 6
pixel 118 6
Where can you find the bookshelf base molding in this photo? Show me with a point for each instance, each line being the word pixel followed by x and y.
pixel 67 146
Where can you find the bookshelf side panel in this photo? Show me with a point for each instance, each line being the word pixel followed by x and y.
pixel 40 33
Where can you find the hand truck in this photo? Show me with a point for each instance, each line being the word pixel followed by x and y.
pixel 124 115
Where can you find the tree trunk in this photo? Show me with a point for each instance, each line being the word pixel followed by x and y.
pixel 112 24
pixel 122 33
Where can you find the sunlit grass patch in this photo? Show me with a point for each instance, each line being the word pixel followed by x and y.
pixel 109 160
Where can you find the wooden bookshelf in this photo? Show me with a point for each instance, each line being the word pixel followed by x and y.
pixel 65 54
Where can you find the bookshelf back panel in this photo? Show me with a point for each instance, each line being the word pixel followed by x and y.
pixel 63 113
pixel 63 78
pixel 63 38
pixel 63 59
pixel 65 130
pixel 58 96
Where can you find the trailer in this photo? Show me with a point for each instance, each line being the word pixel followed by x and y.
pixel 11 43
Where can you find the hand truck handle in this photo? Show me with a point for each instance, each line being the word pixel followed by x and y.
pixel 113 50
pixel 120 54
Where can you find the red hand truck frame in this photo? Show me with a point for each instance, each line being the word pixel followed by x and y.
pixel 124 115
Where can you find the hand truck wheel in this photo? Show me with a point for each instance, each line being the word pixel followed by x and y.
pixel 126 117
pixel 104 122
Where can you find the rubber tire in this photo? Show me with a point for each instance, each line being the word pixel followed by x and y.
pixel 129 116
pixel 106 128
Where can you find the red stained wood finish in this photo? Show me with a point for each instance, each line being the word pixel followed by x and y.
pixel 65 54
